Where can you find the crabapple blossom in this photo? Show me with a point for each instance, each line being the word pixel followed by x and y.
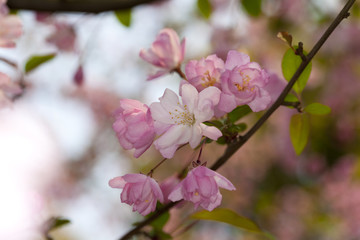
pixel 139 190
pixel 243 83
pixel 10 27
pixel 166 52
pixel 179 123
pixel 134 126
pixel 201 186
pixel 205 72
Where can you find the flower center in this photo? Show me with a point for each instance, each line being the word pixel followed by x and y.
pixel 183 116
pixel 208 80
pixel 245 83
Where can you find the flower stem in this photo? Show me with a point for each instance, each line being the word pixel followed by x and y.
pixel 156 166
pixel 181 74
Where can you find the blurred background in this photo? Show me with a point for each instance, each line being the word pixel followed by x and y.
pixel 58 149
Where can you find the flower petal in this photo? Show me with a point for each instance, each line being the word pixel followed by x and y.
pixel 235 58
pixel 210 131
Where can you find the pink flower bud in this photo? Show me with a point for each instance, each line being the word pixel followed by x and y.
pixel 201 186
pixel 79 76
pixel 243 83
pixel 64 37
pixel 166 52
pixel 205 72
pixel 134 126
pixel 140 191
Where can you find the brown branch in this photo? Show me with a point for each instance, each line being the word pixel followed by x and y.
pixel 296 105
pixel 88 6
pixel 149 220
pixel 181 74
pixel 233 147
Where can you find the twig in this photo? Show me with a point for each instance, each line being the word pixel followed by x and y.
pixel 156 166
pixel 233 147
pixel 89 6
pixel 296 105
pixel 142 224
pixel 181 74
pixel 8 62
pixel 300 51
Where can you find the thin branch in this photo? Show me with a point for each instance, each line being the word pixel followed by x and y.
pixel 181 74
pixel 296 105
pixel 300 51
pixel 232 148
pixel 8 62
pixel 156 166
pixel 149 220
pixel 88 6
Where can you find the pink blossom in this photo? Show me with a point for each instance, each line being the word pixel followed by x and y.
pixel 134 126
pixel 7 89
pixel 166 52
pixel 243 83
pixel 275 86
pixel 64 37
pixel 179 123
pixel 79 76
pixel 10 27
pixel 139 190
pixel 43 17
pixel 201 186
pixel 205 72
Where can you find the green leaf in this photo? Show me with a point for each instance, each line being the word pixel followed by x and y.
pixel 252 7
pixel 55 222
pixel 124 17
pixel 238 113
pixel 228 216
pixel 291 98
pixel 13 11
pixel 214 123
pixel 356 171
pixel 221 140
pixel 317 109
pixel 238 128
pixel 290 64
pixel 299 131
pixel 160 222
pixel 36 60
pixel 204 7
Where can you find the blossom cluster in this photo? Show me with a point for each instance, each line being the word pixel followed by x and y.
pixel 211 88
pixel 201 187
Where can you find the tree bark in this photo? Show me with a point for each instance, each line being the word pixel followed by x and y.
pixel 88 6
